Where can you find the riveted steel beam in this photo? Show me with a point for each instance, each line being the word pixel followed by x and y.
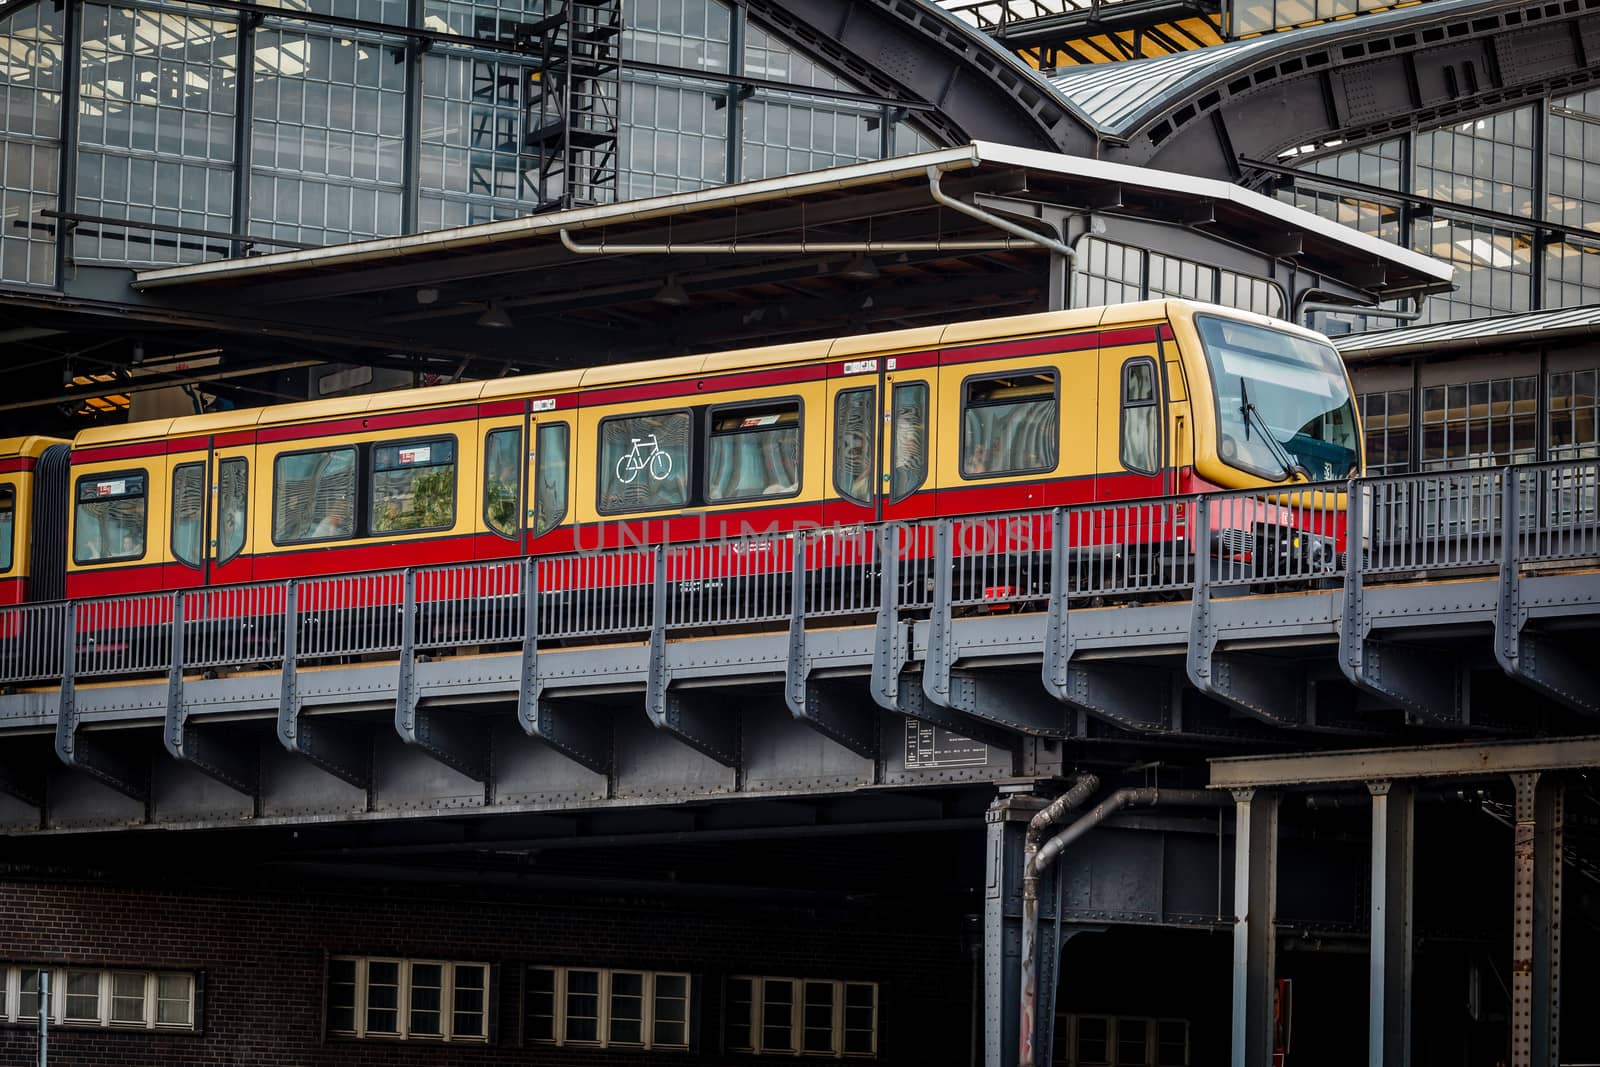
pixel 1540 661
pixel 1137 699
pixel 1429 686
pixel 234 766
pixel 1540 814
pixel 702 722
pixel 1271 691
pixel 341 750
pixel 577 731
pixel 453 738
pixel 835 709
pixel 1002 699
pixel 110 766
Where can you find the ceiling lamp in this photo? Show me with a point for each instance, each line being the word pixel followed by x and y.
pixel 859 269
pixel 672 294
pixel 495 316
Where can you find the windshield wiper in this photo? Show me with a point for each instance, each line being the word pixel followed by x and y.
pixel 1281 454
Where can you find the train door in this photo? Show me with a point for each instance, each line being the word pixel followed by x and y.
pixel 551 473
pixel 853 442
pixel 500 495
pixel 1133 438
pixel 179 534
pixel 908 442
pixel 234 480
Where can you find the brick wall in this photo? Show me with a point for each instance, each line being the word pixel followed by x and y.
pixel 263 952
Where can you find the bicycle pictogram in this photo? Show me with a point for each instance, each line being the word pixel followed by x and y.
pixel 645 454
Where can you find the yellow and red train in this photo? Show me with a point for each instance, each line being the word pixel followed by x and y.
pixel 1096 404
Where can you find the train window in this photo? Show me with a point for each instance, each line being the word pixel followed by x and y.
pixel 413 486
pixel 644 462
pixel 1009 424
pixel 753 451
pixel 313 496
pixel 855 415
pixel 233 496
pixel 8 521
pixel 188 512
pixel 1141 425
pixel 109 520
pixel 550 478
pixel 502 477
pixel 908 444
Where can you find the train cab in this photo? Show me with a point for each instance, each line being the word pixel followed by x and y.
pixel 32 514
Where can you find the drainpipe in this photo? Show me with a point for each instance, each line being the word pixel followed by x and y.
pixel 990 219
pixel 1039 861
pixel 1071 800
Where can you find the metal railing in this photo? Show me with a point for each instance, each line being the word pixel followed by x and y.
pixel 1265 540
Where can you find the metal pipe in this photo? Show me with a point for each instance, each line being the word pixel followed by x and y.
pixel 1363 312
pixel 783 247
pixel 1040 861
pixel 1071 800
pixel 1004 225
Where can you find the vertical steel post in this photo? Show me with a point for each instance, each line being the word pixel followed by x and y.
pixel 1255 906
pixel 1006 823
pixel 1389 1019
pixel 1536 922
pixel 44 1018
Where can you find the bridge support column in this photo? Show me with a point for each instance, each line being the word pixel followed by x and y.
pixel 1007 823
pixel 1389 1020
pixel 1255 906
pixel 1536 921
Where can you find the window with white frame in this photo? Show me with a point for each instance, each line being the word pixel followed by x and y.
pixel 412 1000
pixel 606 1008
pixel 802 1016
pixel 1120 1041
pixel 106 997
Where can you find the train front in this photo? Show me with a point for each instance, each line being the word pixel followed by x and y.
pixel 1280 415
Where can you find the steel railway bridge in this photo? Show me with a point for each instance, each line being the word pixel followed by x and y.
pixel 900 660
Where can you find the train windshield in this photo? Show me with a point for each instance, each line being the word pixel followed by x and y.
pixel 1283 402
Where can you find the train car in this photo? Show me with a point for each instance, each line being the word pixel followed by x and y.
pixel 972 419
pixel 33 515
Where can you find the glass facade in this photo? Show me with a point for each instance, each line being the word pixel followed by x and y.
pixel 342 133
pixel 1488 164
pixel 1110 273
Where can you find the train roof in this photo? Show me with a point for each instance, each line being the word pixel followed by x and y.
pixel 33 446
pixel 569 381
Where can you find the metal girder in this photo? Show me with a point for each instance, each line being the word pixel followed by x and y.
pixel 834 709
pixel 1255 909
pixel 1536 921
pixel 233 766
pixel 1540 661
pixel 336 748
pixel 583 738
pixel 1268 690
pixel 1001 699
pixel 110 766
pixel 890 649
pixel 1006 822
pixel 703 723
pixel 1394 809
pixel 1473 759
pixel 452 738
pixel 1134 698
pixel 1429 686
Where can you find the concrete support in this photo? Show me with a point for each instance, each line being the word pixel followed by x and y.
pixel 1255 906
pixel 1536 921
pixel 1006 823
pixel 1389 1020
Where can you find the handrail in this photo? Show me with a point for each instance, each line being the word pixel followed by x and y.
pixel 1265 539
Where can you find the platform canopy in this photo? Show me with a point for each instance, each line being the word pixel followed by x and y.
pixel 952 233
